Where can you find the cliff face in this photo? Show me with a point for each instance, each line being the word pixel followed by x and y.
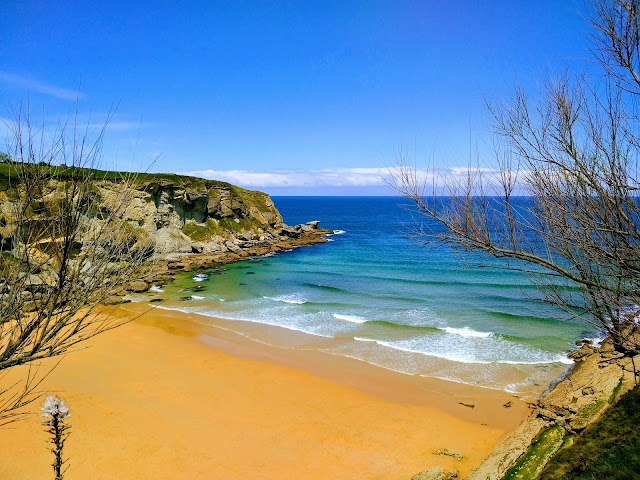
pixel 171 215
pixel 197 217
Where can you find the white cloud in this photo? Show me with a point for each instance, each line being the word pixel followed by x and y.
pixel 351 178
pixel 336 177
pixel 40 87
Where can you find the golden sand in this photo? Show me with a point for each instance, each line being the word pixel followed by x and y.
pixel 183 402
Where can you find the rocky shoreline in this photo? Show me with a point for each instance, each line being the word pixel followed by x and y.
pixel 163 270
pixel 162 223
pixel 599 377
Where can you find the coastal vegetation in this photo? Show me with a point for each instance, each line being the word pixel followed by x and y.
pixel 609 448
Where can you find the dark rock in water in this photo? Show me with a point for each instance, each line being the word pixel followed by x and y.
pixel 197 288
pixel 156 300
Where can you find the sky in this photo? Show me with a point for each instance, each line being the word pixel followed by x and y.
pixel 288 97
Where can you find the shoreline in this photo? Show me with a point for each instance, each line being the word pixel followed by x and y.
pixel 447 395
pixel 532 380
pixel 204 404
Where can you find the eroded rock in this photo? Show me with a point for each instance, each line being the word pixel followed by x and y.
pixel 432 473
pixel 448 453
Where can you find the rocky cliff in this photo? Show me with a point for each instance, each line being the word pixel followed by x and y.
pixel 191 215
pixel 169 216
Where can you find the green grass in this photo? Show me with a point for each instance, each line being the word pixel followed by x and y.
pixel 201 232
pixel 588 411
pixel 239 226
pixel 9 176
pixel 249 197
pixel 607 449
pixel 615 392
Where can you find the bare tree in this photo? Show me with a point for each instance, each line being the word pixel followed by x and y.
pixel 65 248
pixel 575 154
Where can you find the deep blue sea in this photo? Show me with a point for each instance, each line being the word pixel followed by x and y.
pixel 374 294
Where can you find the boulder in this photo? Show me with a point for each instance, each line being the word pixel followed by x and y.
pixel 433 473
pixel 33 283
pixel 448 453
pixel 170 240
pixel 138 286
pixel 581 352
pixel 219 204
pixel 247 235
pixel 115 300
pixel 290 232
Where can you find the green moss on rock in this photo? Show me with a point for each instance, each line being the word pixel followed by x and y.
pixel 199 232
pixel 607 449
pixel 547 443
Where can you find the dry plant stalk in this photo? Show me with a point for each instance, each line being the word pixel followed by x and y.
pixel 57 413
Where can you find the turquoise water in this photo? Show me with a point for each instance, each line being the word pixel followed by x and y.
pixel 374 294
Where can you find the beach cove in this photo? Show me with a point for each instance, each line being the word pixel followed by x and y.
pixel 166 397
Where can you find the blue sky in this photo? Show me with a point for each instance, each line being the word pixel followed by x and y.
pixel 290 97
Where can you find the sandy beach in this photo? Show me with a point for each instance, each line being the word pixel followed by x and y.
pixel 166 398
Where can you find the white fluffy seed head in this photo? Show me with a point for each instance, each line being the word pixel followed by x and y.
pixel 53 406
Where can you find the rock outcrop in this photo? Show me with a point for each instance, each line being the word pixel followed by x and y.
pixel 182 222
pixel 185 215
pixel 599 377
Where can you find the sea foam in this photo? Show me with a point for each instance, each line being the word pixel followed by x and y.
pixel 292 299
pixel 362 339
pixel 349 318
pixel 466 332
pixel 446 356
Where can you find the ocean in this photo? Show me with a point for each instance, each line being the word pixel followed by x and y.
pixel 377 295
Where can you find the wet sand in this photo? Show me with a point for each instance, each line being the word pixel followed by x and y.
pixel 166 398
